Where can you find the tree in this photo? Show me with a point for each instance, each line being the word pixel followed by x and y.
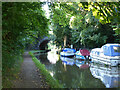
pixel 22 23
pixel 60 20
pixel 106 12
pixel 88 23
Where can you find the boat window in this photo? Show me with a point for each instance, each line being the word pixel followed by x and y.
pixel 116 49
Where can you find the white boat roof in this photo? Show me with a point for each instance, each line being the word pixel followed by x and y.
pixel 96 49
pixel 109 44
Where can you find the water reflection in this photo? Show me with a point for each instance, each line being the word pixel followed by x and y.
pixel 83 64
pixel 52 57
pixel 110 76
pixel 66 71
pixel 68 61
pixel 43 58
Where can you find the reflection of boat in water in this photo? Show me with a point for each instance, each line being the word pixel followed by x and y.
pixel 82 64
pixel 109 54
pixel 67 61
pixel 110 76
pixel 68 52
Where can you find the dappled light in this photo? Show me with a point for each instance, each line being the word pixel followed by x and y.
pixel 60 44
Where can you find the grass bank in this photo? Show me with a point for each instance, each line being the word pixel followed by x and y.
pixel 49 79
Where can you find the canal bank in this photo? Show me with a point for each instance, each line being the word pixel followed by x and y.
pixel 29 76
pixel 46 71
pixel 52 82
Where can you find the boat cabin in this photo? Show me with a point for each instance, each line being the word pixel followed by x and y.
pixel 108 54
pixel 69 50
pixel 111 49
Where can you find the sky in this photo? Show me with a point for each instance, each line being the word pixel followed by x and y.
pixel 47 11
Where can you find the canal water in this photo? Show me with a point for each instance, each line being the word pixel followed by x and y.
pixel 74 73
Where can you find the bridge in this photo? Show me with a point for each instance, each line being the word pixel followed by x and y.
pixel 42 44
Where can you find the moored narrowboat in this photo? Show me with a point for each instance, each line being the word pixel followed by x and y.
pixel 82 54
pixel 108 54
pixel 68 52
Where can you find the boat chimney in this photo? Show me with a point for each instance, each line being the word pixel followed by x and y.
pixel 71 46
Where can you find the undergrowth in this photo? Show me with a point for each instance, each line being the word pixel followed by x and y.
pixel 10 73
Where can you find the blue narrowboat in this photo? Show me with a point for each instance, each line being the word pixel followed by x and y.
pixel 68 52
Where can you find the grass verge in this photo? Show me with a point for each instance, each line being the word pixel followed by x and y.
pixel 49 79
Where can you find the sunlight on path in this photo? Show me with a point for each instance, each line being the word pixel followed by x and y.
pixel 29 76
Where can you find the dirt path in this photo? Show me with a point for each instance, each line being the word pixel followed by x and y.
pixel 29 76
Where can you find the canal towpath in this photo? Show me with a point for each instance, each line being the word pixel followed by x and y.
pixel 29 76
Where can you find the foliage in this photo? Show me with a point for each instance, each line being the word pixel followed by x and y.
pixel 12 73
pixel 90 24
pixel 96 37
pixel 22 23
pixel 105 12
pixel 50 80
pixel 60 21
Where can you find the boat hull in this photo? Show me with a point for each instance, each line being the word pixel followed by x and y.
pixel 66 54
pixel 79 57
pixel 112 61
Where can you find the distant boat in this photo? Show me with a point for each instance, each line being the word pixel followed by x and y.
pixel 108 54
pixel 68 52
pixel 82 54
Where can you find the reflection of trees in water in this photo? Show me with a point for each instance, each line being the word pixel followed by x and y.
pixel 43 59
pixel 75 77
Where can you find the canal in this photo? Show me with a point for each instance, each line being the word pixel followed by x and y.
pixel 74 73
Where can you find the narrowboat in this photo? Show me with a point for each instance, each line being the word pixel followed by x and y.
pixel 68 52
pixel 108 54
pixel 82 54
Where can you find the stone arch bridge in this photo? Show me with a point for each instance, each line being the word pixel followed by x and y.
pixel 42 43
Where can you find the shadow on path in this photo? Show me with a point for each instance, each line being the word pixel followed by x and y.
pixel 29 76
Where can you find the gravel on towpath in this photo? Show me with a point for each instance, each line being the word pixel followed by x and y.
pixel 29 76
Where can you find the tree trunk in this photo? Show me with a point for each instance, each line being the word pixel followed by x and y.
pixel 65 41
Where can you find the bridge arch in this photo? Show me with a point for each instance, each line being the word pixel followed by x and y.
pixel 43 43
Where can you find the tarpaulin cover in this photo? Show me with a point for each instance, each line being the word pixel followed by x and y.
pixel 84 52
